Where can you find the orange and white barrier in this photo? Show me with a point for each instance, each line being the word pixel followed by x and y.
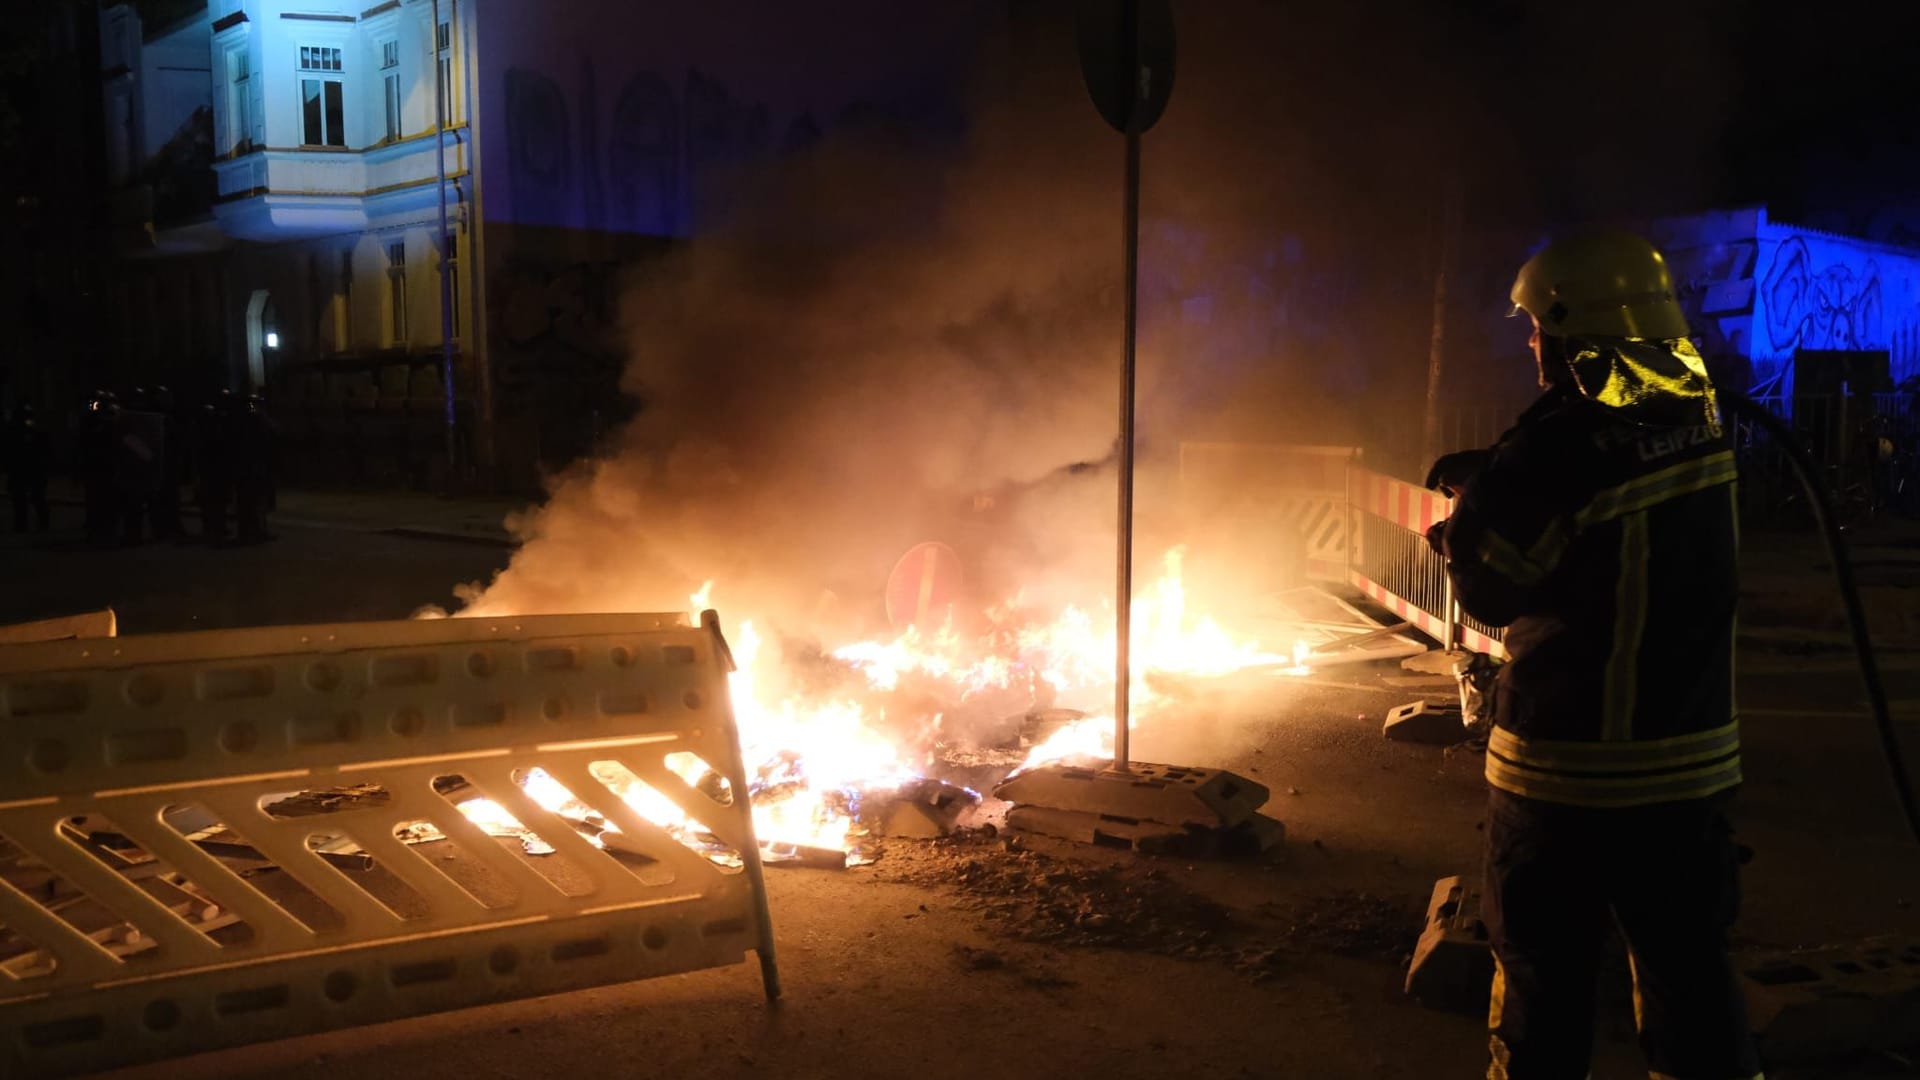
pixel 1389 559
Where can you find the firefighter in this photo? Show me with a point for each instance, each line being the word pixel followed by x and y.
pixel 1600 530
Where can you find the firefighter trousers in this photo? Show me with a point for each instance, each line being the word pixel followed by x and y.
pixel 1557 877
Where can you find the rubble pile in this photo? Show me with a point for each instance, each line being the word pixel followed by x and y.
pixel 1357 924
pixel 1036 897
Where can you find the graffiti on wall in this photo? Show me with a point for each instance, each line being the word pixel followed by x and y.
pixel 1753 300
pixel 1830 306
pixel 1826 292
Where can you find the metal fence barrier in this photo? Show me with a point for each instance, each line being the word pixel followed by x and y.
pixel 1390 562
pixel 215 838
pixel 1867 447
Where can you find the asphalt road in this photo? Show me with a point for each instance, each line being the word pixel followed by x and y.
pixel 306 575
pixel 885 977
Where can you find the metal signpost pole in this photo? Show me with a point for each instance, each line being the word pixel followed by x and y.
pixel 1123 589
pixel 1126 56
pixel 446 286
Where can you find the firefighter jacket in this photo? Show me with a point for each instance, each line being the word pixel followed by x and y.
pixel 1602 532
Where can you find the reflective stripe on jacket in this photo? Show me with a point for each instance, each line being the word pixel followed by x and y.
pixel 1607 544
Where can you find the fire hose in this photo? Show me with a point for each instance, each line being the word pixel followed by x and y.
pixel 1817 498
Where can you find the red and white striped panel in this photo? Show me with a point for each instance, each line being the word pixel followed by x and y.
pixel 1406 505
pixel 1481 643
pixel 1425 621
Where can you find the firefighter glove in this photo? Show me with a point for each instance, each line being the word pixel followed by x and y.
pixel 1451 472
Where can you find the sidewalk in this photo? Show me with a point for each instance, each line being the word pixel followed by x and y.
pixel 477 519
pixel 474 518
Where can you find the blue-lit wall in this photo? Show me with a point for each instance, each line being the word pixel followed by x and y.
pixel 1756 290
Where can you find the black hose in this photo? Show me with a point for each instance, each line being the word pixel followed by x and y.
pixel 1803 467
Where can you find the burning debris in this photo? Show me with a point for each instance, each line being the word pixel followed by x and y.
pixel 891 736
pixel 921 810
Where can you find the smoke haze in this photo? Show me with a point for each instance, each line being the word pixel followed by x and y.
pixel 897 338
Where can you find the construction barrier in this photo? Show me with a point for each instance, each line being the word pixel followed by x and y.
pixel 215 838
pixel 1301 490
pixel 1390 561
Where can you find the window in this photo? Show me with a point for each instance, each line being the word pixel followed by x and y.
pixel 443 50
pixel 323 109
pixel 397 290
pixel 452 264
pixel 239 100
pixel 314 58
pixel 390 79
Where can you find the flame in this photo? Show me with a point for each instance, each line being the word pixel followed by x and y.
pixel 811 757
pixel 1302 657
pixel 1083 741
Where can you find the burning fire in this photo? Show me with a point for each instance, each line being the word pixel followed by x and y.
pixel 813 756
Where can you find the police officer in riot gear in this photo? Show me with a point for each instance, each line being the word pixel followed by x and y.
pixel 27 455
pixel 1601 532
pixel 96 451
pixel 251 445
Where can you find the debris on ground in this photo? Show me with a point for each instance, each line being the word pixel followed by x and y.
pixel 1356 924
pixel 1040 898
pixel 1031 896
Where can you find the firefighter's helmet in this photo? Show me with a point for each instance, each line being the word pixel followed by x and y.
pixel 1603 284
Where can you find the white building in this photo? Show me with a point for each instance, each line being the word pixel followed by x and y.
pixel 330 152
pixel 575 137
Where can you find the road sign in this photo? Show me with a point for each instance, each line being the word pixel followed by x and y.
pixel 1126 57
pixel 924 585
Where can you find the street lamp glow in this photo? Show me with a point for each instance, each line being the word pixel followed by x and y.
pixel 273 340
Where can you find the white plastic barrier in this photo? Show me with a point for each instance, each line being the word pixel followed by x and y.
pixel 1299 489
pixel 160 893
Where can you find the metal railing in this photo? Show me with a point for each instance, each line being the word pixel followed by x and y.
pixel 1390 561
pixel 1867 447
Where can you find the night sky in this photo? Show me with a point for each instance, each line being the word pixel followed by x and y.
pixel 1811 108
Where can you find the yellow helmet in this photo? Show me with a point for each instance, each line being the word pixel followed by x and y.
pixel 1606 284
